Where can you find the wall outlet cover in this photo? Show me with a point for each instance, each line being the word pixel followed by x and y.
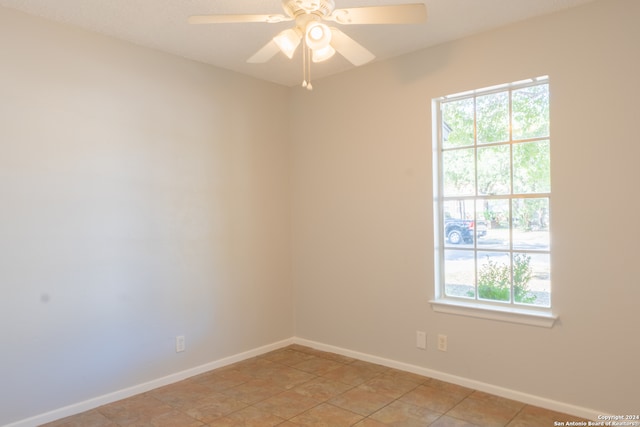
pixel 421 340
pixel 180 344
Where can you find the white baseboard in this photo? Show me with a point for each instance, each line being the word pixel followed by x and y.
pixel 90 404
pixel 179 376
pixel 529 399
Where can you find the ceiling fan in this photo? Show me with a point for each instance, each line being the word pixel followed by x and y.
pixel 321 42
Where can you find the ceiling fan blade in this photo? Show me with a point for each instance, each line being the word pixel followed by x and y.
pixel 349 48
pixel 267 52
pixel 228 19
pixel 414 13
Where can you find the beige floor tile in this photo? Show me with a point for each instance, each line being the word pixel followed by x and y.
pixel 170 419
pixel 257 367
pixel 236 375
pixel 212 407
pixel 321 389
pixel 361 401
pixel 248 417
pixel 370 366
pixel 389 386
pixel 447 421
pixel 86 419
pixel 287 356
pixel 406 415
pixel 326 415
pixel 265 370
pixel 286 377
pixel 253 391
pixel 301 348
pixel 136 408
pixel 448 387
pixel 181 394
pixel 318 365
pixel 486 410
pixel 353 374
pixel 287 405
pixel 531 416
pixel 327 355
pixel 245 370
pixel 406 376
pixel 219 383
pixel 492 398
pixel 336 357
pixel 436 399
pixel 370 422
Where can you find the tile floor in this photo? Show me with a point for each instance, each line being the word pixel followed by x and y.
pixel 300 386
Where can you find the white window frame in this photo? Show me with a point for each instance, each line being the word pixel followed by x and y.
pixel 479 308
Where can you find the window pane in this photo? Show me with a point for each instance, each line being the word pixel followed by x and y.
pixel 459 276
pixel 458 222
pixel 457 123
pixel 532 279
pixel 530 108
pixel 493 117
pixel 494 276
pixel 458 170
pixel 531 167
pixel 495 214
pixel 531 224
pixel 493 170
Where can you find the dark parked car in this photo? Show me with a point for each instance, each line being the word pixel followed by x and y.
pixel 462 230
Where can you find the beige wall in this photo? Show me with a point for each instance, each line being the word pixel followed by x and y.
pixel 142 197
pixel 362 210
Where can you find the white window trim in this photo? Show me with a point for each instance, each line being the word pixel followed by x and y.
pixel 504 314
pixel 541 317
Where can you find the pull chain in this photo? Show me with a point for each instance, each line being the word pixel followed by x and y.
pixel 309 86
pixel 306 66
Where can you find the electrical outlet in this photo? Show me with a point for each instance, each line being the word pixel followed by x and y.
pixel 180 345
pixel 442 342
pixel 421 340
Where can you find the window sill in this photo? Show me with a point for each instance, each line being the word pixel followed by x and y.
pixel 503 314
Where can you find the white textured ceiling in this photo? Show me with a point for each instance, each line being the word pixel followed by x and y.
pixel 162 25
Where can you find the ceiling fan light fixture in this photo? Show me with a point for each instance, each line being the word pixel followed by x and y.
pixel 319 41
pixel 288 41
pixel 317 36
pixel 323 54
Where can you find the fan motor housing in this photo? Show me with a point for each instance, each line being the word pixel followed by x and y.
pixel 294 8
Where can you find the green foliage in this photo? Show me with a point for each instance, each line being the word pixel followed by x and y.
pixel 483 169
pixel 494 280
pixel 522 273
pixel 457 117
pixel 492 117
pixel 532 167
pixel 530 109
pixel 493 170
pixel 459 172
pixel 530 214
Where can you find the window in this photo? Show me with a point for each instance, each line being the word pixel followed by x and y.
pixel 492 203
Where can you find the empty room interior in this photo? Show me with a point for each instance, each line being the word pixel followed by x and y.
pixel 162 217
